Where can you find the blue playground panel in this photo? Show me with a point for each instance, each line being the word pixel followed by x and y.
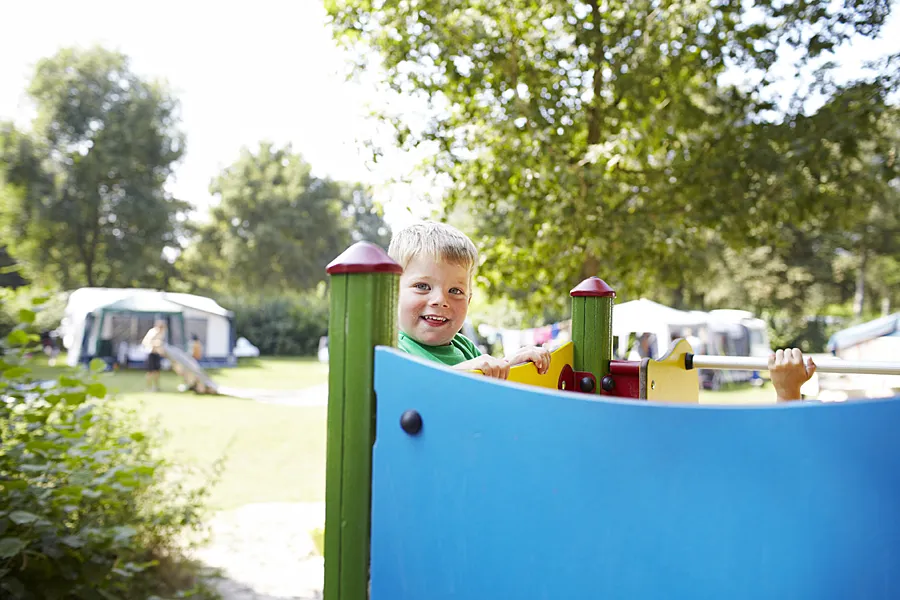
pixel 519 493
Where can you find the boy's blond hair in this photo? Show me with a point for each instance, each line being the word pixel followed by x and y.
pixel 437 241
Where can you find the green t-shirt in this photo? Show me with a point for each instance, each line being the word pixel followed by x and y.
pixel 460 349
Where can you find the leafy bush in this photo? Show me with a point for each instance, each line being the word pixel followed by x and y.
pixel 87 510
pixel 286 325
pixel 7 322
pixel 811 335
pixel 48 314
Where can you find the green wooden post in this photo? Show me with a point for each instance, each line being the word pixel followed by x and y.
pixel 364 285
pixel 592 306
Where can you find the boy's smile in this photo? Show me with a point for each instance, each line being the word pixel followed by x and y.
pixel 434 300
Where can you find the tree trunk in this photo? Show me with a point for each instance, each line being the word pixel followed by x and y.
pixel 589 267
pixel 597 58
pixel 87 260
pixel 679 296
pixel 89 273
pixel 860 296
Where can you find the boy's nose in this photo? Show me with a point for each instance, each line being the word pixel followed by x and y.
pixel 438 299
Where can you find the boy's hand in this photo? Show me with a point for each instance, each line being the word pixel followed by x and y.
pixel 487 364
pixel 539 356
pixel 788 373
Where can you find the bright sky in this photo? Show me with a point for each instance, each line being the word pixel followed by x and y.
pixel 242 74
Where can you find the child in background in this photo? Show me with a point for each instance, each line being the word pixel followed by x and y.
pixel 788 373
pixel 439 264
pixel 196 347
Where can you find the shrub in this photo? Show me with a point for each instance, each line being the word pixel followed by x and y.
pixel 87 510
pixel 7 323
pixel 48 314
pixel 286 325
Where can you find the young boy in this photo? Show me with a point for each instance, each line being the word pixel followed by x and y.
pixel 788 373
pixel 439 264
pixel 196 347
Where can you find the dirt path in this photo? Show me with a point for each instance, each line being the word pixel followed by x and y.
pixel 265 552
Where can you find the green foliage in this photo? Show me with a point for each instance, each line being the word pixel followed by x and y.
pixel 365 216
pixel 47 307
pixel 10 275
pixel 884 281
pixel 598 138
pixel 276 225
pixel 288 324
pixel 87 509
pixel 810 335
pixel 84 200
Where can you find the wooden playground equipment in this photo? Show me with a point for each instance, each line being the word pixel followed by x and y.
pixel 454 485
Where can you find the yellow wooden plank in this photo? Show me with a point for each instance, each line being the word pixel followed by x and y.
pixel 666 379
pixel 527 373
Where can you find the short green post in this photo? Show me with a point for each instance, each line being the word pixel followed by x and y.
pixel 592 306
pixel 364 285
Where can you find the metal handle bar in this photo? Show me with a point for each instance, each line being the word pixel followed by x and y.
pixel 823 365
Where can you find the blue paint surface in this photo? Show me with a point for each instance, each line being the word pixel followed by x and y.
pixel 512 493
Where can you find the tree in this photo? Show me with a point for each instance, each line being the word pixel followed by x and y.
pixel 276 225
pixel 9 271
pixel 366 218
pixel 84 201
pixel 812 188
pixel 596 138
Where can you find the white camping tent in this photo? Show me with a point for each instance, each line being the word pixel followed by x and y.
pixel 660 322
pixel 110 323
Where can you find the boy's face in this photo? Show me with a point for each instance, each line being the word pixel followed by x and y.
pixel 434 300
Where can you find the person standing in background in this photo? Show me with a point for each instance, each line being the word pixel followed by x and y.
pixel 153 343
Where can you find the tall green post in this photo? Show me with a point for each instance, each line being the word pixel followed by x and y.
pixel 364 287
pixel 592 306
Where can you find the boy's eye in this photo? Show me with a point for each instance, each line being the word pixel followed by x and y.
pixel 456 291
pixel 422 286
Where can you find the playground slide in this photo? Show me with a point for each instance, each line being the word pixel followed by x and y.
pixel 192 373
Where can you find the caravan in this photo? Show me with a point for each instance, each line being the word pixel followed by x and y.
pixel 109 323
pixel 644 328
pixel 734 333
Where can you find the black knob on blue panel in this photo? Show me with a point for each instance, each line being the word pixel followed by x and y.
pixel 411 422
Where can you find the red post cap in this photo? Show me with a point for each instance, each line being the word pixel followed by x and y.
pixel 363 257
pixel 594 287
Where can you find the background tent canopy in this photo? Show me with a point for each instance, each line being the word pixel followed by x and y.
pixel 663 322
pixel 648 316
pixel 145 304
pixel 111 322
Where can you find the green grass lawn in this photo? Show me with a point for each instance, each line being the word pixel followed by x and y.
pixel 274 373
pixel 740 394
pixel 270 452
